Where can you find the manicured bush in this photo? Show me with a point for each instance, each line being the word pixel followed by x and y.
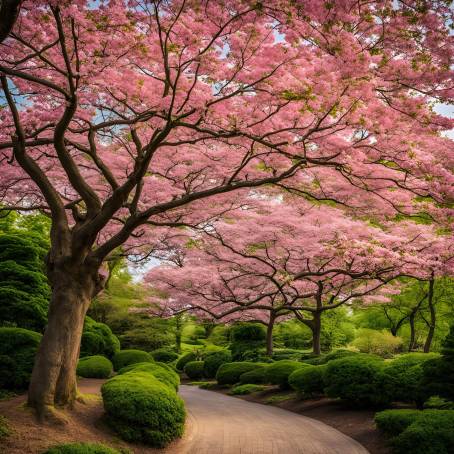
pixel 358 380
pixel 230 373
pixel 126 357
pixel 98 339
pixel 140 408
pixel 17 354
pixel 161 371
pixel 241 390
pixel 381 343
pixel 164 356
pixel 81 448
pixel 214 360
pixel 94 367
pixel 308 381
pixel 286 353
pixel 184 359
pixel 277 373
pixel 393 422
pixel 247 340
pixel 195 370
pixel 256 376
pixel 331 356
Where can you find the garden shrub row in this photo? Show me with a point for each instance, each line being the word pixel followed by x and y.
pixel 308 381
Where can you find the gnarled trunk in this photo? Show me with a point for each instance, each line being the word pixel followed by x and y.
pixel 411 344
pixel 316 333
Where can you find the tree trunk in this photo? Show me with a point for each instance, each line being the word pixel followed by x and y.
pixel 411 344
pixel 430 334
pixel 269 335
pixel 53 380
pixel 316 333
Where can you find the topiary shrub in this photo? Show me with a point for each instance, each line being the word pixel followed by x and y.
pixel 242 390
pixel 164 356
pixel 98 339
pixel 247 337
pixel 82 448
pixel 17 354
pixel 358 380
pixel 126 357
pixel 161 371
pixel 278 373
pixel 184 359
pixel 230 373
pixel 308 381
pixel 214 360
pixel 140 408
pixel 94 367
pixel 195 370
pixel 419 432
pixel 256 376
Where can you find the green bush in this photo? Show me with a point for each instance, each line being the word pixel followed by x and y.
pixel 419 432
pixel 126 357
pixel 286 353
pixel 256 376
pixel 278 373
pixel 18 348
pixel 358 380
pixel 184 359
pixel 195 370
pixel 164 356
pixel 82 448
pixel 247 338
pixel 94 367
pixel 214 360
pixel 98 339
pixel 161 371
pixel 381 343
pixel 308 381
pixel 241 390
pixel 439 403
pixel 331 356
pixel 4 427
pixel 140 408
pixel 230 373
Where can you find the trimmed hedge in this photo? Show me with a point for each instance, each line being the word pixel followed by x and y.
pixel 18 348
pixel 195 370
pixel 230 373
pixel 214 360
pixel 332 356
pixel 163 355
pixel 126 357
pixel 256 376
pixel 242 390
pixel 161 371
pixel 98 339
pixel 358 380
pixel 141 408
pixel 94 367
pixel 82 448
pixel 418 432
pixel 278 373
pixel 184 359
pixel 308 381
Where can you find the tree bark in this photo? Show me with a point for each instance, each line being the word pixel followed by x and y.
pixel 316 333
pixel 9 10
pixel 430 334
pixel 411 344
pixel 269 335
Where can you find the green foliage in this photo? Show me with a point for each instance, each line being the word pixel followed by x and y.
pixel 220 335
pixel 336 354
pixel 308 381
pixel 358 380
pixel 94 367
pixel 286 353
pixel 439 403
pixel 18 348
pixel 380 343
pixel 256 376
pixel 184 359
pixel 98 339
pixel 140 408
pixel 278 373
pixel 126 357
pixel 4 427
pixel 161 371
pixel 241 390
pixel 82 448
pixel 164 355
pixel 230 373
pixel 247 340
pixel 337 329
pixel 214 360
pixel 419 432
pixel 195 370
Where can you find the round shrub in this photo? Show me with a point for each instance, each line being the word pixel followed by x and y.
pixel 277 373
pixel 247 338
pixel 308 381
pixel 161 371
pixel 81 448
pixel 142 409
pixel 17 354
pixel 94 367
pixel 331 356
pixel 126 357
pixel 184 359
pixel 230 373
pixel 286 353
pixel 98 339
pixel 256 376
pixel 163 355
pixel 393 422
pixel 195 370
pixel 242 390
pixel 214 360
pixel 381 343
pixel 358 380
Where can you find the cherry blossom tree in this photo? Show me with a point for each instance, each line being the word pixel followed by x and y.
pixel 119 117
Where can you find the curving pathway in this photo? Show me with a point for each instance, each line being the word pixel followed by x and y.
pixel 219 424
